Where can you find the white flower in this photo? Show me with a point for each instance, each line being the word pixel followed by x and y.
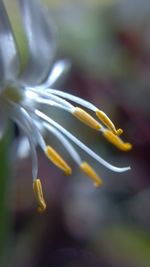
pixel 22 95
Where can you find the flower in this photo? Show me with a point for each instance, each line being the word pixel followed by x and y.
pixel 23 95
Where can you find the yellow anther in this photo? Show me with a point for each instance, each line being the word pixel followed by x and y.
pixel 119 131
pixel 116 141
pixel 37 188
pixel 86 118
pixel 107 122
pixel 88 170
pixel 58 160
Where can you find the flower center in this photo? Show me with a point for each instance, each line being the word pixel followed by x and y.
pixel 13 94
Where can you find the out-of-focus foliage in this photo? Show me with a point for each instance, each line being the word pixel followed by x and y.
pixel 5 181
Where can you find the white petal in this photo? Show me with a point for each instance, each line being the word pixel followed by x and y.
pixel 40 37
pixel 23 148
pixel 58 72
pixel 9 59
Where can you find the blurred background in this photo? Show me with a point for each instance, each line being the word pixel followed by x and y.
pixel 107 44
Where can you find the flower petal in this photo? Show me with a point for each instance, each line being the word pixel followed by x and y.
pixel 40 39
pixel 58 73
pixel 9 59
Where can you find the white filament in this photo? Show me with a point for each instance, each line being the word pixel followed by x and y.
pixel 51 103
pixel 73 98
pixel 18 115
pixel 49 96
pixel 80 144
pixel 68 146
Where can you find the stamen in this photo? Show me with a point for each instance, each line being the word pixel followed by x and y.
pixel 119 131
pixel 37 188
pixel 58 160
pixel 51 103
pixel 88 170
pixel 107 122
pixel 21 117
pixel 47 95
pixel 65 142
pixel 86 118
pixel 73 98
pixel 79 143
pixel 88 105
pixel 116 141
